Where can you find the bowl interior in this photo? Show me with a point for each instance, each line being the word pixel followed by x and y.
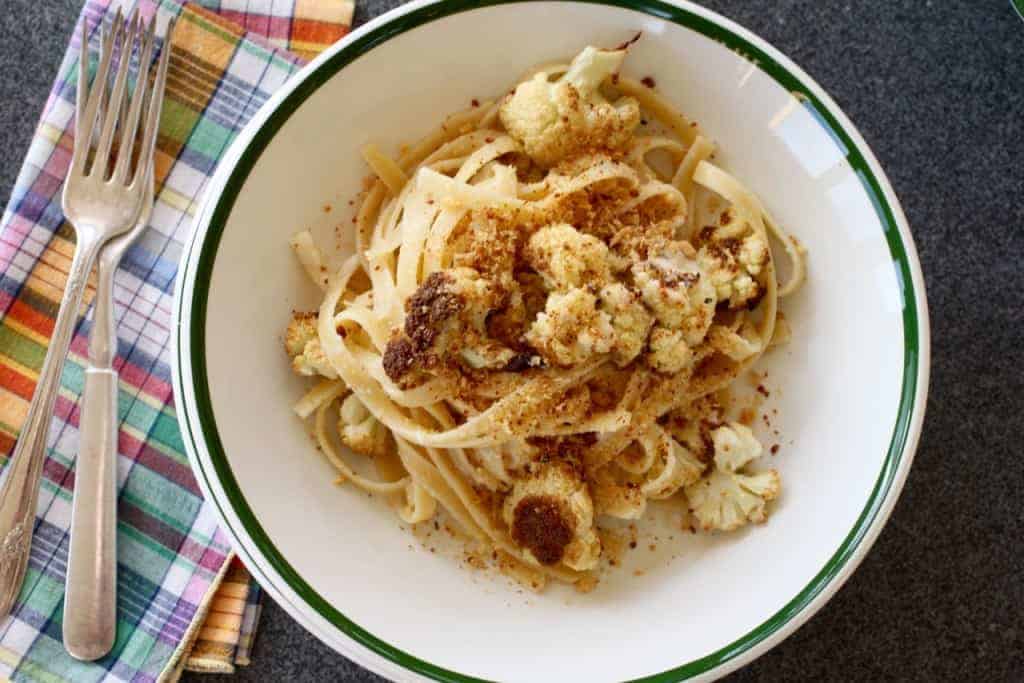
pixel 836 387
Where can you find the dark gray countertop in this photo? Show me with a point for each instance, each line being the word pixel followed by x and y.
pixel 937 89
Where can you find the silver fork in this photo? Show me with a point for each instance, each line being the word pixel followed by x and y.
pixel 100 207
pixel 90 592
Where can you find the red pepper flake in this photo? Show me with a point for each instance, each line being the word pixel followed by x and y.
pixel 488 139
pixel 615 79
pixel 475 102
pixel 648 81
pixel 775 449
pixel 632 545
pixel 761 390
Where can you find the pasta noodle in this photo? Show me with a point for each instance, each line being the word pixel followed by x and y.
pixel 538 316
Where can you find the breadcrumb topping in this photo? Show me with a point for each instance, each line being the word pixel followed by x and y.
pixel 554 257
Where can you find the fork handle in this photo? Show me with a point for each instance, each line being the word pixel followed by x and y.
pixel 90 594
pixel 20 489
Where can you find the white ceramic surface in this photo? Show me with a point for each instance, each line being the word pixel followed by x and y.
pixel 849 389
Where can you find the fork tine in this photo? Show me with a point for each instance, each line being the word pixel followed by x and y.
pixel 96 96
pixel 83 84
pixel 131 124
pixel 128 31
pixel 148 143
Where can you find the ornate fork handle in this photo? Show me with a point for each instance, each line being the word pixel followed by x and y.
pixel 21 488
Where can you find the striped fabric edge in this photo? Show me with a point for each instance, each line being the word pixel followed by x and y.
pixel 228 624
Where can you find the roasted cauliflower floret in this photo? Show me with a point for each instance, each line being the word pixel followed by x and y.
pixel 446 317
pixel 630 320
pixel 360 430
pixel 733 255
pixel 731 281
pixel 477 294
pixel 735 446
pixel 668 352
pixel 567 258
pixel 728 498
pixel 753 254
pixel 301 330
pixel 571 329
pixel 551 517
pixel 559 119
pixel 302 343
pixel 677 291
pixel 468 336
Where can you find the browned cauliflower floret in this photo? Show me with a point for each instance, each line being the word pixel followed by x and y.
pixel 677 290
pixel 733 255
pixel 302 344
pixel 630 320
pixel 468 336
pixel 446 318
pixel 668 352
pixel 551 517
pixel 571 329
pixel 301 330
pixel 557 120
pixel 567 258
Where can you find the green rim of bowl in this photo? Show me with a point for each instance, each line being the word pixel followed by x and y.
pixel 208 250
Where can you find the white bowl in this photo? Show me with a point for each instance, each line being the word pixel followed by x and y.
pixel 850 389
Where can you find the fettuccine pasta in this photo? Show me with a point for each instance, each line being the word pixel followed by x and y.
pixel 538 316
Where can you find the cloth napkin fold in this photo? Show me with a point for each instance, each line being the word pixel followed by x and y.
pixel 175 567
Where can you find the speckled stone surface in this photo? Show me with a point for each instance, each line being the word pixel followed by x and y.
pixel 937 89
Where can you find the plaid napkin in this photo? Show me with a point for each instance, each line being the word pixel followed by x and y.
pixel 175 567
